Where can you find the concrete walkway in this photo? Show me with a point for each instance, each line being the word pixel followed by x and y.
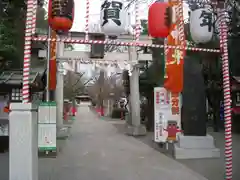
pixel 97 150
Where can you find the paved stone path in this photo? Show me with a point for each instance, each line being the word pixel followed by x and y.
pixel 97 150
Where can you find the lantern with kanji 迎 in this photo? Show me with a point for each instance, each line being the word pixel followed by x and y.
pixel 201 25
pixel 159 19
pixel 113 17
pixel 61 14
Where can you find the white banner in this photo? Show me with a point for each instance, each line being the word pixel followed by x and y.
pixel 162 111
pixel 167 109
pixel 47 137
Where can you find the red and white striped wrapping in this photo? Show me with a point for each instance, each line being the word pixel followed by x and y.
pixel 227 94
pixel 119 43
pixel 27 51
pixel 137 21
pixel 202 2
pixel 34 16
pixel 87 19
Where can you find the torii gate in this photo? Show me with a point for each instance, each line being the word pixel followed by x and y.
pixel 109 57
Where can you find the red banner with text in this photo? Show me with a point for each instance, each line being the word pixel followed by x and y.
pixel 175 57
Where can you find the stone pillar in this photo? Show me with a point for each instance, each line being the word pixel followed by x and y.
pixel 59 98
pixel 60 85
pixel 62 132
pixel 134 127
pixel 194 107
pixel 23 142
pixel 135 97
pixel 195 143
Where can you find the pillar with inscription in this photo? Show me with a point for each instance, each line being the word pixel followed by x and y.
pixel 194 143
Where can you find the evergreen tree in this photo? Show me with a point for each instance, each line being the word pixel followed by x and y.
pixel 12 26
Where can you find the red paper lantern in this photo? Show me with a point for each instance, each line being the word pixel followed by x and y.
pixel 61 14
pixel 159 19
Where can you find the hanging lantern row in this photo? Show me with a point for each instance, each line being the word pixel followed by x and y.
pixel 161 16
pixel 113 18
pixel 61 15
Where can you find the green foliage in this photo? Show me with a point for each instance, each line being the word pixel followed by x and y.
pixel 6 42
pixel 154 75
pixel 12 26
pixel 8 31
pixel 41 21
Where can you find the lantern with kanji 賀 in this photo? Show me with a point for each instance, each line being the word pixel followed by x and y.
pixel 159 19
pixel 201 25
pixel 113 17
pixel 61 15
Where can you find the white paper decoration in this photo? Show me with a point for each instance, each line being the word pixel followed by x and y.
pixel 113 17
pixel 201 25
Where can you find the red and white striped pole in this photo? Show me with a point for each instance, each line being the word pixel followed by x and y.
pixel 87 20
pixel 34 17
pixel 227 94
pixel 137 21
pixel 27 51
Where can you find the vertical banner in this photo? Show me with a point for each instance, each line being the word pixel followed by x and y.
pixel 174 70
pixel 53 63
pixel 161 114
pixel 174 57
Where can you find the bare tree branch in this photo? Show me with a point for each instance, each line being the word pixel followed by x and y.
pixel 81 75
pixel 88 81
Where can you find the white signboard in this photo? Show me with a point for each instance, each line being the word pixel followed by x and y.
pixel 167 109
pixel 47 137
pixel 47 126
pixel 162 110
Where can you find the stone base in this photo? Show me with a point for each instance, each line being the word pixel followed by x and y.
pixel 195 147
pixel 136 130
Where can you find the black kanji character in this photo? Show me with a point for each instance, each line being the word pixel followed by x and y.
pixel 206 20
pixel 112 13
pixel 105 5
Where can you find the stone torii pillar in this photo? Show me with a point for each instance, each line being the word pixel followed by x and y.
pixel 134 126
